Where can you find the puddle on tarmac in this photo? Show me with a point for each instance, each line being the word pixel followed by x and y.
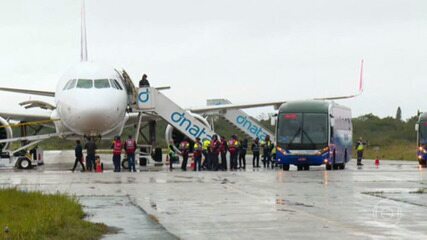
pixel 130 221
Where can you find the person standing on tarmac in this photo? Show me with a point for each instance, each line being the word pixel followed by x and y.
pixel 172 156
pixel 214 152
pixel 233 146
pixel 184 147
pixel 130 147
pixel 90 147
pixel 117 152
pixel 255 152
pixel 223 150
pixel 197 153
pixel 78 151
pixel 242 153
pixel 360 147
pixel 206 146
pixel 267 147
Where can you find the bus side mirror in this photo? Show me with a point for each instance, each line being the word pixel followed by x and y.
pixel 417 127
pixel 273 120
pixel 332 122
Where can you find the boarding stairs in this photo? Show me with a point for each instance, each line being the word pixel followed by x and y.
pixel 152 101
pixel 242 121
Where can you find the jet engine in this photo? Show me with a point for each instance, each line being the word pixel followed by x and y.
pixel 174 137
pixel 5 133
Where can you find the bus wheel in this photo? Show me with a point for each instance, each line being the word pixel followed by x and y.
pixel 299 167
pixel 335 166
pixel 342 166
pixel 328 167
pixel 306 167
pixel 285 167
pixel 125 164
pixel 422 163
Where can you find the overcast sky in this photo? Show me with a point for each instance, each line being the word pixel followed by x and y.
pixel 246 51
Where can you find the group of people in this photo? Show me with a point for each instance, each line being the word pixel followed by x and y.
pixel 93 162
pixel 212 154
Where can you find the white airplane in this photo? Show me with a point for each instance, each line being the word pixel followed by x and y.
pixel 91 100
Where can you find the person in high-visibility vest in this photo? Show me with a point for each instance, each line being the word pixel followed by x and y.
pixel 184 147
pixel 273 157
pixel 172 156
pixel 360 147
pixel 117 152
pixel 267 147
pixel 206 146
pixel 197 153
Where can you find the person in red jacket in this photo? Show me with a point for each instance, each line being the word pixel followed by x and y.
pixel 233 147
pixel 117 152
pixel 214 152
pixel 130 147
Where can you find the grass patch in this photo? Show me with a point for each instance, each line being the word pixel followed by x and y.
pixel 33 215
pixel 397 151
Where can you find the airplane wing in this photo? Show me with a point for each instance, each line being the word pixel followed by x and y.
pixel 25 116
pixel 28 91
pixel 275 104
pixel 48 93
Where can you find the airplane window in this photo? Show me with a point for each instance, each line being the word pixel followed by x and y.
pixel 84 83
pixel 102 83
pixel 71 84
pixel 118 84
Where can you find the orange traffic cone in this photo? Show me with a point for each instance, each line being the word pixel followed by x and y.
pixel 377 162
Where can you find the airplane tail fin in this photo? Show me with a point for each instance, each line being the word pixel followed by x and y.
pixel 83 43
pixel 361 78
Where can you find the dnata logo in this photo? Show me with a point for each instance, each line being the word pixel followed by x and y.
pixel 144 96
pixel 251 127
pixel 185 125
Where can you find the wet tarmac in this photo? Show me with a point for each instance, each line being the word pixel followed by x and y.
pixel 384 202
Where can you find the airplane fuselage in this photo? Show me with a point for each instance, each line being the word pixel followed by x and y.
pixel 90 101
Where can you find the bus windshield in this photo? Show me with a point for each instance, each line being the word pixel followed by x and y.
pixel 423 133
pixel 302 130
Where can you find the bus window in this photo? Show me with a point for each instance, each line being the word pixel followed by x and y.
pixel 102 83
pixel 302 130
pixel 84 83
pixel 423 133
pixel 315 129
pixel 290 128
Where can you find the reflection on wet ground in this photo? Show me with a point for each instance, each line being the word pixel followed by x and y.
pixel 384 202
pixel 129 220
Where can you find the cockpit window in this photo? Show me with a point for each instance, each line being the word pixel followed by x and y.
pixel 70 84
pixel 115 84
pixel 102 83
pixel 85 83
